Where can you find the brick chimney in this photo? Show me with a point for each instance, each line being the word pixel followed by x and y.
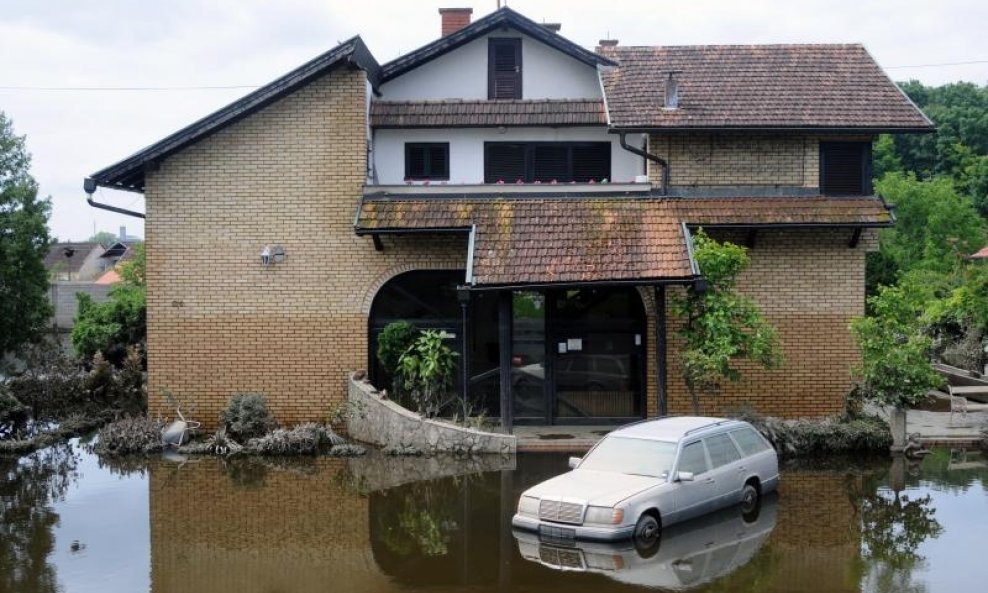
pixel 455 19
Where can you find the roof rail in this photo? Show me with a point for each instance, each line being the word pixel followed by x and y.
pixel 706 426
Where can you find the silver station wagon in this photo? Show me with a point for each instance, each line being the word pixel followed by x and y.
pixel 652 474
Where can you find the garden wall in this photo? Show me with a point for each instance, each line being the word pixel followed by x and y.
pixel 384 423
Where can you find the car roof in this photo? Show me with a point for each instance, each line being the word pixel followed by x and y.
pixel 671 428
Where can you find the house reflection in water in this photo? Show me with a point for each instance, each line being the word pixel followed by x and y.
pixel 373 524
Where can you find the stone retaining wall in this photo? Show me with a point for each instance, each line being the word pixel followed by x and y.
pixel 384 423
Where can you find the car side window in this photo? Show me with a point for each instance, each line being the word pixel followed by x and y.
pixel 749 441
pixel 722 450
pixel 693 459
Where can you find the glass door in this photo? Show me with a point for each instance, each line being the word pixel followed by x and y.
pixel 528 368
pixel 598 349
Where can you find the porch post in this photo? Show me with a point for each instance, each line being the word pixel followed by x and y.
pixel 463 295
pixel 504 341
pixel 660 349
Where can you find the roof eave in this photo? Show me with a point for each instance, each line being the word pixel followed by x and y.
pixel 637 129
pixel 128 174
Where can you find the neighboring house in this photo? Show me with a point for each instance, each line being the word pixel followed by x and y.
pixel 74 261
pixel 544 193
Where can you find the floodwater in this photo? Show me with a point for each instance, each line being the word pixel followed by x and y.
pixel 380 524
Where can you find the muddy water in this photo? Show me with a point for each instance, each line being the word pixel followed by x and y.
pixel 380 524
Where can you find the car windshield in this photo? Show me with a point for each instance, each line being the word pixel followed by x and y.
pixel 637 457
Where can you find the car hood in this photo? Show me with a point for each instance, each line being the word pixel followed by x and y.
pixel 595 487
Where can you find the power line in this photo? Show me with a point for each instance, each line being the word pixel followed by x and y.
pixel 937 65
pixel 129 88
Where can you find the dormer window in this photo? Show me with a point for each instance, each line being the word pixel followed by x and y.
pixel 504 69
pixel 845 168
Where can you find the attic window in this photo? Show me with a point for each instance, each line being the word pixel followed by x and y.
pixel 427 161
pixel 504 69
pixel 845 168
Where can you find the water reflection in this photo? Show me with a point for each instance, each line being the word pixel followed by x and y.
pixel 388 524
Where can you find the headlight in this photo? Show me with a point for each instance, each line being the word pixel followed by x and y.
pixel 605 515
pixel 528 505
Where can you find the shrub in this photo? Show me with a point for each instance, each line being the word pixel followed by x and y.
pixel 134 435
pixel 304 439
pixel 13 414
pixel 220 443
pixel 427 369
pixel 52 386
pixel 395 339
pixel 806 437
pixel 347 450
pixel 247 417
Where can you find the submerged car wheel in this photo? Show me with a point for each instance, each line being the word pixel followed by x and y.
pixel 647 534
pixel 750 499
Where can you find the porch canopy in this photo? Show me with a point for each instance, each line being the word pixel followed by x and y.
pixel 521 242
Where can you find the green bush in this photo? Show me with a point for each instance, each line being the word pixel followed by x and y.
pixel 247 417
pixel 427 370
pixel 395 339
pixel 129 436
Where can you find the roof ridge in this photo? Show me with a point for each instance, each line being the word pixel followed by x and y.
pixel 736 45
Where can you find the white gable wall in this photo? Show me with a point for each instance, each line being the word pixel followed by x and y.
pixel 462 74
pixel 466 149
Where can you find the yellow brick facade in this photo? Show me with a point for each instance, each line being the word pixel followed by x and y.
pixel 291 175
pixel 218 321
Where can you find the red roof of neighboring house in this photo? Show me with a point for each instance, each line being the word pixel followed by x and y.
pixel 110 277
pixel 981 253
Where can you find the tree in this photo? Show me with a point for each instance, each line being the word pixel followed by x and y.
pixel 103 238
pixel 118 324
pixel 895 365
pixel 24 243
pixel 936 227
pixel 720 325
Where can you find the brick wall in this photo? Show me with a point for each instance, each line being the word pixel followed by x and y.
pixel 220 323
pixel 810 285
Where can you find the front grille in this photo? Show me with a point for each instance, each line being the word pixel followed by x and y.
pixel 560 557
pixel 563 512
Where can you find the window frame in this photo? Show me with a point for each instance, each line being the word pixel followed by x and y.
pixel 865 158
pixel 515 44
pixel 427 173
pixel 529 148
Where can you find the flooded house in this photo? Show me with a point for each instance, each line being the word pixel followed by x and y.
pixel 535 200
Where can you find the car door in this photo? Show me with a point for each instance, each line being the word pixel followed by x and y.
pixel 726 469
pixel 694 498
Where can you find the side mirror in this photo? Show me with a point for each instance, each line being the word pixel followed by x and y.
pixel 574 461
pixel 684 476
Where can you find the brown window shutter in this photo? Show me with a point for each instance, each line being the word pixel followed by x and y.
pixel 845 168
pixel 504 69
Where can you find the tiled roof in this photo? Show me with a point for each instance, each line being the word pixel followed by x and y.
pixel 59 259
pixel 424 114
pixel 573 240
pixel 757 86
pixel 782 211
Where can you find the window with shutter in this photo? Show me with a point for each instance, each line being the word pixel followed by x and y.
pixel 546 162
pixel 845 168
pixel 427 161
pixel 504 69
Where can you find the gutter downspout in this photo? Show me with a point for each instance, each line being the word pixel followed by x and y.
pixel 622 136
pixel 89 185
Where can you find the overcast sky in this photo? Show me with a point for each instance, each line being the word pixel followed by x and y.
pixel 183 43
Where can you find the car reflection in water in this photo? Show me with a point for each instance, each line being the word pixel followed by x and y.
pixel 688 555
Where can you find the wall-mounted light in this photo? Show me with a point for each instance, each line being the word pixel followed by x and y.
pixel 272 254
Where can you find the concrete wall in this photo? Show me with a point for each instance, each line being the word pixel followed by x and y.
pixel 462 74
pixel 62 296
pixel 466 150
